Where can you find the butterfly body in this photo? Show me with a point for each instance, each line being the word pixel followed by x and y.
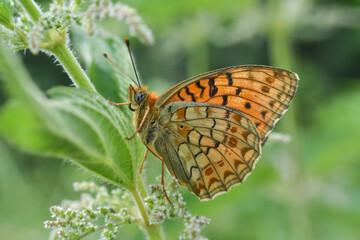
pixel 209 129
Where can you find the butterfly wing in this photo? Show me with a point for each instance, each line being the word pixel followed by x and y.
pixel 262 93
pixel 208 148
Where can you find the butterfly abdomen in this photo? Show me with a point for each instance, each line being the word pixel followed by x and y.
pixel 152 133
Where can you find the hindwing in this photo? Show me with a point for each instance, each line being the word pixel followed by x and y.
pixel 208 148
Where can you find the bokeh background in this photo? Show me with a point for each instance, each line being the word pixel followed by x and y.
pixel 308 188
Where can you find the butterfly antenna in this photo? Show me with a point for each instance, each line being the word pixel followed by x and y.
pixel 132 60
pixel 108 58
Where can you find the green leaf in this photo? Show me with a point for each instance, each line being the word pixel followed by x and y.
pixel 74 124
pixel 108 80
pixel 6 13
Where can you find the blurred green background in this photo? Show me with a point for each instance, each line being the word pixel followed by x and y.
pixel 305 189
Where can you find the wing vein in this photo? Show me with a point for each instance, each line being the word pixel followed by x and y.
pixel 270 76
pixel 225 132
pixel 212 166
pixel 188 178
pixel 250 79
pixel 242 98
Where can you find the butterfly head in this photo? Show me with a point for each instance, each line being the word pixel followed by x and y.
pixel 136 97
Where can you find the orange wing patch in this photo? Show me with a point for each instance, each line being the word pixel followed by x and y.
pixel 261 93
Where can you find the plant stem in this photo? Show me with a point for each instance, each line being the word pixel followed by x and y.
pixel 31 8
pixel 72 66
pixel 153 231
pixel 281 55
pixel 61 51
pixel 141 187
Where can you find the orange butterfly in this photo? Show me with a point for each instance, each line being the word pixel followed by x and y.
pixel 208 130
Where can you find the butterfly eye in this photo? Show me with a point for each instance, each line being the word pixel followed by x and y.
pixel 140 96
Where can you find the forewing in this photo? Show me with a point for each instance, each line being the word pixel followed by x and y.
pixel 262 93
pixel 209 148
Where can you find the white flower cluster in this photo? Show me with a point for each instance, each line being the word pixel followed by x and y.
pixel 19 32
pixel 161 209
pixel 122 12
pixel 97 210
pixel 193 226
pixel 59 18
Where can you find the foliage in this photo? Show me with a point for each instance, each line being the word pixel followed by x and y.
pixel 303 189
pixel 77 124
pixel 46 28
pixel 77 219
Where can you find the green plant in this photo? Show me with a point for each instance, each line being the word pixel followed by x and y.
pixel 78 124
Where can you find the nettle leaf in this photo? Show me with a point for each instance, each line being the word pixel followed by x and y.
pixel 74 124
pixel 100 130
pixel 101 71
pixel 108 81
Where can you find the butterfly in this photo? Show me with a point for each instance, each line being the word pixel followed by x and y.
pixel 209 129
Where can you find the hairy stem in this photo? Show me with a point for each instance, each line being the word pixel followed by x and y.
pixel 72 66
pixel 31 8
pixel 153 231
pixel 61 51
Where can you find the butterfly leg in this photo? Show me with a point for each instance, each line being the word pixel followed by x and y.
pixel 118 104
pixel 141 124
pixel 143 161
pixel 162 172
pixel 162 180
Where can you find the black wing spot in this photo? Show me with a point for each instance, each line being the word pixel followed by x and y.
pixel 238 90
pixel 228 126
pixel 247 105
pixel 227 115
pixel 190 94
pixel 178 93
pixel 263 113
pixel 225 139
pixel 225 100
pixel 201 87
pixel 271 103
pixel 213 89
pixel 229 77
